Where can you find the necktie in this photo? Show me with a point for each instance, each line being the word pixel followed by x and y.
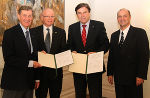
pixel 121 40
pixel 47 41
pixel 28 40
pixel 84 35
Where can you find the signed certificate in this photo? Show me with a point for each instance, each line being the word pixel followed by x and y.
pixel 55 61
pixel 86 64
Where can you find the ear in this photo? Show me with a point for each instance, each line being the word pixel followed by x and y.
pixel 18 15
pixel 41 17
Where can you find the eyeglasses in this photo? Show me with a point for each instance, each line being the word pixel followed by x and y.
pixel 27 16
pixel 49 16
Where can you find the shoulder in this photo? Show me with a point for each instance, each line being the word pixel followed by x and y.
pixel 114 34
pixel 137 29
pixel 37 28
pixel 139 32
pixel 58 30
pixel 96 22
pixel 97 25
pixel 74 24
pixel 12 30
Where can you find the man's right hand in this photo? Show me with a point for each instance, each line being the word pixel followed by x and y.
pixel 36 64
pixel 110 79
pixel 37 85
pixel 43 51
pixel 74 51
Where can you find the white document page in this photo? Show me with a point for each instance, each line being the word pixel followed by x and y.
pixel 95 62
pixel 79 65
pixel 46 60
pixel 64 58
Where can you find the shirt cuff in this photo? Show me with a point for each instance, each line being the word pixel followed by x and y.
pixel 37 80
pixel 30 63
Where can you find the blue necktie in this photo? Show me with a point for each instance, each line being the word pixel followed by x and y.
pixel 28 40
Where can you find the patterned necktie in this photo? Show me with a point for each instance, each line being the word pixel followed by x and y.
pixel 47 41
pixel 121 40
pixel 28 40
pixel 84 35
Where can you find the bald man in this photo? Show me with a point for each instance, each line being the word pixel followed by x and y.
pixel 52 40
pixel 128 58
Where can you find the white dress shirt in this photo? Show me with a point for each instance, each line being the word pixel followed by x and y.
pixel 125 33
pixel 24 31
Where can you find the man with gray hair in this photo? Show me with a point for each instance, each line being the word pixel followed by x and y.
pixel 128 58
pixel 20 55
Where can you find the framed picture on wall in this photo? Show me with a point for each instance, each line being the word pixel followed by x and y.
pixel 9 8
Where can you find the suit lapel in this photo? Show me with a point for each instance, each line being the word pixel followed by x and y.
pixel 41 31
pixel 90 31
pixel 116 40
pixel 128 37
pixel 53 37
pixel 21 36
pixel 33 40
pixel 79 34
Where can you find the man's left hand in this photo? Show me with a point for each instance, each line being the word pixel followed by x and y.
pixel 139 81
pixel 91 53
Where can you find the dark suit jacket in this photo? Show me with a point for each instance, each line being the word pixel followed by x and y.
pixel 96 39
pixel 58 45
pixel 16 73
pixel 131 60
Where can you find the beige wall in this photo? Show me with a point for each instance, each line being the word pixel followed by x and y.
pixel 1 58
pixel 105 11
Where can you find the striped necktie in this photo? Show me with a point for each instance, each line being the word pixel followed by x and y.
pixel 121 40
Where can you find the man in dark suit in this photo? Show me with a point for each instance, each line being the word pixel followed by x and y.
pixel 87 36
pixel 128 58
pixel 20 54
pixel 50 79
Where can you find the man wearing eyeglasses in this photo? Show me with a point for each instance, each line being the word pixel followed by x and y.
pixel 51 40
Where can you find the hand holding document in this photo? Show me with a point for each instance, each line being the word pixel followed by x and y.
pixel 55 61
pixel 86 64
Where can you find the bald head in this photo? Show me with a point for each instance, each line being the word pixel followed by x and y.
pixel 48 17
pixel 123 9
pixel 47 11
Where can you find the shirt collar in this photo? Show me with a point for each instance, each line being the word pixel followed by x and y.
pixel 87 24
pixel 126 30
pixel 23 28
pixel 45 28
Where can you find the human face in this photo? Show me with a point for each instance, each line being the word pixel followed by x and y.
pixel 123 18
pixel 83 15
pixel 25 18
pixel 48 17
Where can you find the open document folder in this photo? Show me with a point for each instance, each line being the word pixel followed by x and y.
pixel 55 61
pixel 86 64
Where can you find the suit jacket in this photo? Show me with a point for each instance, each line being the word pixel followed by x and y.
pixel 96 39
pixel 58 45
pixel 131 60
pixel 16 73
